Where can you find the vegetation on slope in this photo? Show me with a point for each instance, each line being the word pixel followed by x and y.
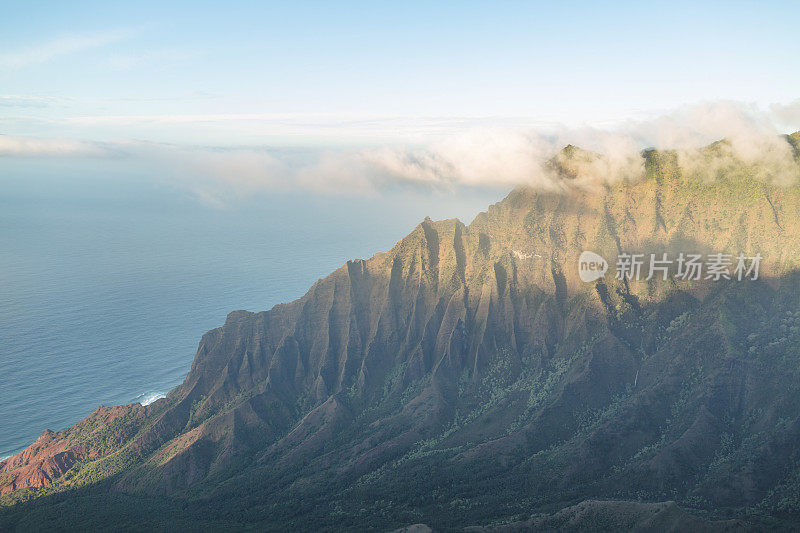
pixel 468 377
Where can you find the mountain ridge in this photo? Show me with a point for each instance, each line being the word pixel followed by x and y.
pixel 476 352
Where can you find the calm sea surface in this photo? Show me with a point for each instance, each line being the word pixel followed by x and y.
pixel 107 285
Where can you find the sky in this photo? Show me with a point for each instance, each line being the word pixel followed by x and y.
pixel 264 84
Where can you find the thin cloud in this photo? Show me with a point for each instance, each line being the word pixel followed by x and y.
pixel 163 59
pixel 59 47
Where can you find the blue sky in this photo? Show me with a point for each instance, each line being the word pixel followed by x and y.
pixel 76 75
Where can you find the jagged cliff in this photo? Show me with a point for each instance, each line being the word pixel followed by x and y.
pixel 468 375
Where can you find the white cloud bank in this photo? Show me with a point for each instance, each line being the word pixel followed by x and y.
pixel 499 156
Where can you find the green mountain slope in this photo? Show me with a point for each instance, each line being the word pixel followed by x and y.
pixel 469 377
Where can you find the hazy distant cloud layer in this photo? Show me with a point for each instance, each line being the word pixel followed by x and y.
pixel 22 101
pixel 466 155
pixel 36 147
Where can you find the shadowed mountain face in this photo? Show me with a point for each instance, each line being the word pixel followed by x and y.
pixel 468 376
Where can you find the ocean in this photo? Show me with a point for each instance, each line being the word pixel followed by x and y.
pixel 107 284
